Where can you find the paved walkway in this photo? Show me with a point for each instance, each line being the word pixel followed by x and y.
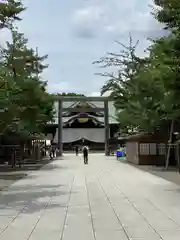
pixel 105 200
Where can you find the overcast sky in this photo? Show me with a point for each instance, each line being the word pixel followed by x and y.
pixel 74 33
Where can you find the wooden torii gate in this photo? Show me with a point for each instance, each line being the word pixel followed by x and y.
pixel 61 109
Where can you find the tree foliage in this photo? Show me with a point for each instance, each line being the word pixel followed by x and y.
pixel 25 106
pixel 9 12
pixel 146 90
pixel 167 12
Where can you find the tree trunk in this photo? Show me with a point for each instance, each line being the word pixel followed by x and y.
pixel 169 144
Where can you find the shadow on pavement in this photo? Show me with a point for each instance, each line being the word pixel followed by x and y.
pixel 8 175
pixel 12 176
pixel 53 166
pixel 31 196
pixel 34 198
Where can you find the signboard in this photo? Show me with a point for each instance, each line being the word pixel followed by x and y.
pixel 83 117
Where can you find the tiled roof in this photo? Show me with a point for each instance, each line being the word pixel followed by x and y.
pixel 112 110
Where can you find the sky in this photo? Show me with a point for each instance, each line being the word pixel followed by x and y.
pixel 74 33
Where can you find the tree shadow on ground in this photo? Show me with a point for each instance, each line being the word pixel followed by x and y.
pixel 33 196
pixel 8 175
pixel 30 199
pixel 14 176
pixel 53 166
pixel 8 178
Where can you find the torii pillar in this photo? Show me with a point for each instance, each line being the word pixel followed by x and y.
pixel 60 128
pixel 106 123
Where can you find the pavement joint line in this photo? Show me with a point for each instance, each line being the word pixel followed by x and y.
pixel 39 217
pixel 90 209
pixel 13 219
pixel 21 210
pixel 6 191
pixel 170 218
pixel 103 180
pixel 7 188
pixel 67 208
pixel 125 232
pixel 118 187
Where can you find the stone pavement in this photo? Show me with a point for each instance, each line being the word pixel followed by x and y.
pixel 105 200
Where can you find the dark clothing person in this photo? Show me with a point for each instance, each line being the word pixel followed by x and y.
pixel 52 152
pixel 77 150
pixel 85 155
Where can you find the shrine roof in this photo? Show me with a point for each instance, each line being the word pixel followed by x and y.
pixel 94 104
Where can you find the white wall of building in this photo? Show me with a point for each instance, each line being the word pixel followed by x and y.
pixel 74 134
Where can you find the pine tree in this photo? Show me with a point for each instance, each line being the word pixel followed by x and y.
pixel 168 13
pixel 9 12
pixel 29 106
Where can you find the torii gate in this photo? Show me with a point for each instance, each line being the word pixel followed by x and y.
pixel 104 109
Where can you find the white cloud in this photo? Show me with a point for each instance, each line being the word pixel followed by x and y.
pixel 94 94
pixel 115 18
pixel 88 20
pixel 58 87
pixel 98 94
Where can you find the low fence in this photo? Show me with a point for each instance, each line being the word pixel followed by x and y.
pixel 16 155
pixel 11 155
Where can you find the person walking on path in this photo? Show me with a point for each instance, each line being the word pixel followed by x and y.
pixel 52 151
pixel 77 150
pixel 85 151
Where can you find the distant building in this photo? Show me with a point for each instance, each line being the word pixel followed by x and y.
pixel 85 127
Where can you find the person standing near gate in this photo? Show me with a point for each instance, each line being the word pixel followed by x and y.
pixel 53 151
pixel 50 152
pixel 77 150
pixel 85 151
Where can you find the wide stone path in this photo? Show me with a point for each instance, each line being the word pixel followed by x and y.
pixel 105 200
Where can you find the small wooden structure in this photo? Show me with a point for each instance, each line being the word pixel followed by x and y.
pixel 146 149
pixel 14 146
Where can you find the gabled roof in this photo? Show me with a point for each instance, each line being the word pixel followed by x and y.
pixel 112 110
pixel 89 105
pixel 66 120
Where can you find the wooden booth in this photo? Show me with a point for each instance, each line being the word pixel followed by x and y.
pixel 146 149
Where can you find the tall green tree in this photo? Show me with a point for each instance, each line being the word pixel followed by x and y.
pixel 168 14
pixel 135 98
pixel 9 12
pixel 29 106
pixel 149 98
